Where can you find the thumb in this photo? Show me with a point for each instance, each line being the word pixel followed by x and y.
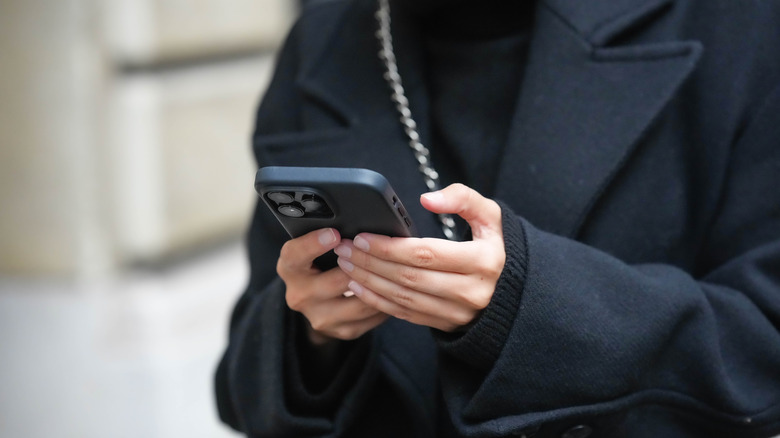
pixel 482 214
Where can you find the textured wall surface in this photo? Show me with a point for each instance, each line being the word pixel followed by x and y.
pixel 125 188
pixel 124 127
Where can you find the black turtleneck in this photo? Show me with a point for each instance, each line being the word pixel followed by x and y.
pixel 469 19
pixel 475 54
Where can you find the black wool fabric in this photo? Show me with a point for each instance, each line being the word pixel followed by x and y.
pixel 474 58
pixel 473 88
pixel 468 19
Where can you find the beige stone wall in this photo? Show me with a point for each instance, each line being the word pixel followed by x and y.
pixel 181 149
pixel 113 151
pixel 47 127
pixel 145 31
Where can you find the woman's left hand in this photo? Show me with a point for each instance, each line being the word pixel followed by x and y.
pixel 427 281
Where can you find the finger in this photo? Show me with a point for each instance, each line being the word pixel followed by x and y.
pixel 353 330
pixel 482 214
pixel 421 279
pixel 338 311
pixel 435 254
pixel 297 255
pixel 331 284
pixel 396 310
pixel 437 306
pixel 304 291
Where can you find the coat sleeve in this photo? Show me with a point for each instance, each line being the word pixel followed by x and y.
pixel 574 333
pixel 261 381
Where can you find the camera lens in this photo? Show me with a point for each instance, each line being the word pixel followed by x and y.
pixel 290 210
pixel 280 197
pixel 311 203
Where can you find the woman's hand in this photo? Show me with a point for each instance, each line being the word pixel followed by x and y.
pixel 318 295
pixel 431 282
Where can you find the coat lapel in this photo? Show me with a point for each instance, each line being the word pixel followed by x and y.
pixel 343 73
pixel 583 107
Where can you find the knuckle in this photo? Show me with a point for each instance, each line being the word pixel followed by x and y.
pixel 286 250
pixel 494 276
pixel 463 193
pixel 489 272
pixel 461 318
pixel 423 257
pixel 318 324
pixel 403 297
pixel 346 333
pixel 366 260
pixel 495 270
pixel 383 251
pixel 467 194
pixel 482 300
pixel 490 265
pixel 409 276
pixel 282 263
pixel 497 262
pixel 475 300
pixel 294 300
pixel 466 297
pixel 460 186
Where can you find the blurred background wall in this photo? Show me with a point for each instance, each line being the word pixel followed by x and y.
pixel 125 189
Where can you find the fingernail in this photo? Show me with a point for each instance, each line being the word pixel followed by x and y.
pixel 356 288
pixel 361 243
pixel 433 196
pixel 343 251
pixel 345 265
pixel 327 237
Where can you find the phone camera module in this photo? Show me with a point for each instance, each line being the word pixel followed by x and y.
pixel 290 210
pixel 298 204
pixel 280 197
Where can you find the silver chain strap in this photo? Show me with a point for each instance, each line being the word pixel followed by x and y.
pixel 393 78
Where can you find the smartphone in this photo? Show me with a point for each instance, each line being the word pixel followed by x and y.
pixel 351 200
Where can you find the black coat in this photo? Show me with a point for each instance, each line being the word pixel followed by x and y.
pixel 640 191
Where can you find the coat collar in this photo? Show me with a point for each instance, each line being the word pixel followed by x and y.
pixel 584 104
pixel 598 21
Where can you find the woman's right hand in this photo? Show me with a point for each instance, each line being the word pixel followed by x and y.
pixel 318 295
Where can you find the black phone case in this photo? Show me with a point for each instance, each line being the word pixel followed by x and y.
pixel 357 200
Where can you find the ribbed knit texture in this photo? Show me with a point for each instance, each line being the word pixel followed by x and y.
pixel 482 343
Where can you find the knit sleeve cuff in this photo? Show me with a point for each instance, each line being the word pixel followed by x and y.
pixel 318 378
pixel 481 344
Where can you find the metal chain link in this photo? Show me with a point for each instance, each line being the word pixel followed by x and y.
pixel 398 96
